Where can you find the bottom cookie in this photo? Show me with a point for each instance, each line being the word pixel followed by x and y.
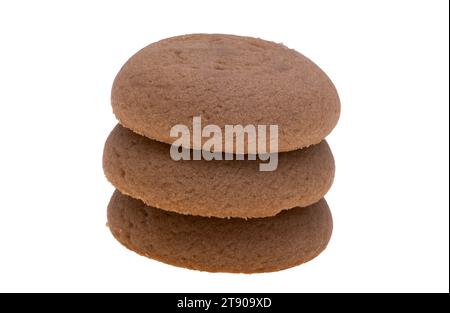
pixel 214 244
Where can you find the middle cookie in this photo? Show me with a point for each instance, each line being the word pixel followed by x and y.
pixel 143 169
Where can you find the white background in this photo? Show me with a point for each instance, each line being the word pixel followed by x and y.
pixel 388 59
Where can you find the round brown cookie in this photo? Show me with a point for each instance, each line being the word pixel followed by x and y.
pixel 212 244
pixel 227 80
pixel 143 169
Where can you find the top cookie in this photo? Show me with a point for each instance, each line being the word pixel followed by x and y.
pixel 226 80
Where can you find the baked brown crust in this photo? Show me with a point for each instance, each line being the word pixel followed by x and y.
pixel 227 80
pixel 232 245
pixel 142 168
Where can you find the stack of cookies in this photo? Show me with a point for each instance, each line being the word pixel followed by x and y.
pixel 224 214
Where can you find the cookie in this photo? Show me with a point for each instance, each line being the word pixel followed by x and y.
pixel 143 169
pixel 213 244
pixel 225 80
